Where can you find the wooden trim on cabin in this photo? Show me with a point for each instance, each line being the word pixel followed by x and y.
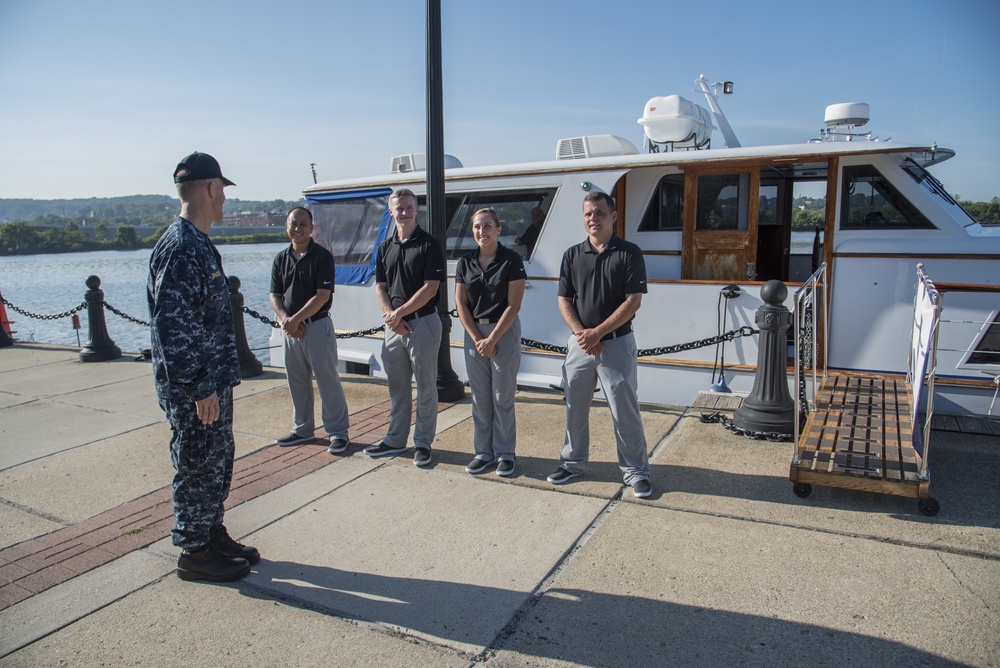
pixel 966 287
pixel 919 256
pixel 829 225
pixel 618 192
pixel 681 281
pixel 688 218
pixel 661 252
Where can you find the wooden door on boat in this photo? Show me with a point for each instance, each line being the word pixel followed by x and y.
pixel 720 224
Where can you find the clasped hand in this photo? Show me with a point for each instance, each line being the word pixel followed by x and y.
pixel 394 321
pixel 590 341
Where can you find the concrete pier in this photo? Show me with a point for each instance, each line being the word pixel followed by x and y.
pixel 379 563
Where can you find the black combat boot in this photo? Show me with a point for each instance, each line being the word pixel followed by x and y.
pixel 207 564
pixel 223 543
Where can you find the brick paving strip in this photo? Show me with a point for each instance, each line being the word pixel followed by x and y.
pixel 38 564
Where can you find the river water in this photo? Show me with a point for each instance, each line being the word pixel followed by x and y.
pixel 55 283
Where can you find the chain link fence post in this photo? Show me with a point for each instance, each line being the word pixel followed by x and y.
pixel 250 366
pixel 99 346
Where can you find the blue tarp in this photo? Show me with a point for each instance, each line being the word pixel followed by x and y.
pixel 357 274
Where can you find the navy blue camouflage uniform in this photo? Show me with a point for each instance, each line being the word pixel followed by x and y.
pixel 194 354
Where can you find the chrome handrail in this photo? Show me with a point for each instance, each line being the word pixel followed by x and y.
pixel 805 297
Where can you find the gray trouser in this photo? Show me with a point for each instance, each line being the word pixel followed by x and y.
pixel 315 353
pixel 413 355
pixel 494 382
pixel 616 368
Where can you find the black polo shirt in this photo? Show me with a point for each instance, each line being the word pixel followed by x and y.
pixel 597 283
pixel 298 280
pixel 405 267
pixel 488 289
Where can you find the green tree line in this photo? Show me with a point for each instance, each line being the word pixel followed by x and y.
pixel 20 238
pixel 133 210
pixel 57 226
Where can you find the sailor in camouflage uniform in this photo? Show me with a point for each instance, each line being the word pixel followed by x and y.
pixel 195 366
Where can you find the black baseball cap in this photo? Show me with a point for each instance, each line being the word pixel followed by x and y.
pixel 199 166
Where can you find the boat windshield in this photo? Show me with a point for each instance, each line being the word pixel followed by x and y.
pixel 936 189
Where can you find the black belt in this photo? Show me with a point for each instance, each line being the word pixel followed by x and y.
pixel 618 333
pixel 318 316
pixel 419 314
pixel 487 321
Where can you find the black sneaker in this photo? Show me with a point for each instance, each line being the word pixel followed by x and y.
pixel 207 564
pixel 337 445
pixel 292 439
pixel 383 449
pixel 641 489
pixel 561 475
pixel 220 541
pixel 422 457
pixel 505 467
pixel 478 465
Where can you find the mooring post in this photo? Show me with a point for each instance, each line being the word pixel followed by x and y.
pixel 99 346
pixel 769 407
pixel 250 366
pixel 5 337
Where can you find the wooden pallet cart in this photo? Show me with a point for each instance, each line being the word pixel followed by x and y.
pixel 862 431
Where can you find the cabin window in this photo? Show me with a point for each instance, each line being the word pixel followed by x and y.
pixel 514 209
pixel 988 349
pixel 666 209
pixel 349 227
pixel 722 202
pixel 870 202
pixel 767 205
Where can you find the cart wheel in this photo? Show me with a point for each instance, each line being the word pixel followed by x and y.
pixel 928 506
pixel 802 489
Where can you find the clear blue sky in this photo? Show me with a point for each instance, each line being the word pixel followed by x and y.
pixel 102 98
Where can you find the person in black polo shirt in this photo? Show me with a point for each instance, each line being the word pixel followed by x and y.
pixel 601 283
pixel 301 296
pixel 489 285
pixel 409 267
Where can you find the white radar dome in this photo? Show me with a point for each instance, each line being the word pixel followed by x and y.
pixel 854 114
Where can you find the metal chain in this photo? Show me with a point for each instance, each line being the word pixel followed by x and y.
pixel 263 319
pixel 805 359
pixel 665 350
pixel 126 316
pixel 681 347
pixel 749 433
pixel 37 316
pixel 366 332
pixel 345 335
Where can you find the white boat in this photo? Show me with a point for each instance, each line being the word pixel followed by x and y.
pixel 707 219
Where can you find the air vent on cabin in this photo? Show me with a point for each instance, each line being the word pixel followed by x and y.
pixel 593 146
pixel 417 162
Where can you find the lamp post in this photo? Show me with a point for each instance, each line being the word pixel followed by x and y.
pixel 450 388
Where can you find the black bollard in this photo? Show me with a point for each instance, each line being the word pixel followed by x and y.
pixel 250 366
pixel 99 346
pixel 5 337
pixel 769 408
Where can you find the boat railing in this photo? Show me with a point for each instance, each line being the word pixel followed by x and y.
pixel 810 333
pixel 922 363
pixel 966 352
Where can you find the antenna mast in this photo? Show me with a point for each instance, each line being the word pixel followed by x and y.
pixel 720 118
